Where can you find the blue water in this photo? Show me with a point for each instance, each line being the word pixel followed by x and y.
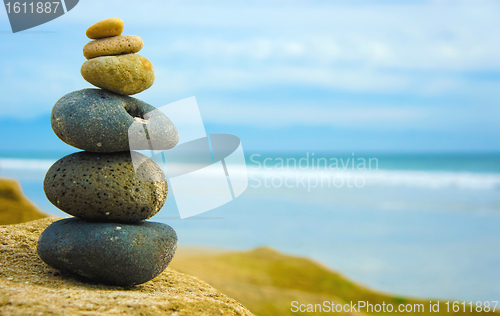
pixel 422 225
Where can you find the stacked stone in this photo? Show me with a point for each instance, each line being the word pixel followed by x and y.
pixel 110 188
pixel 112 63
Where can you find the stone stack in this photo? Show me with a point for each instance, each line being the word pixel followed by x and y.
pixel 112 63
pixel 110 188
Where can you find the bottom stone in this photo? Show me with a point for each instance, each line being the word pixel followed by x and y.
pixel 111 253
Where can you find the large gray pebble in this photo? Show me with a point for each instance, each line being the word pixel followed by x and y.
pixel 98 120
pixel 111 253
pixel 106 187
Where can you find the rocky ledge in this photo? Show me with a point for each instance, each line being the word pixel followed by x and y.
pixel 30 287
pixel 14 206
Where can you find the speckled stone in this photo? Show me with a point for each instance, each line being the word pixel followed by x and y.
pixel 125 74
pixel 116 45
pixel 105 28
pixel 106 187
pixel 97 120
pixel 112 253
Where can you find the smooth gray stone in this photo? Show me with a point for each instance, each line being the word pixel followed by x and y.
pixel 98 120
pixel 106 187
pixel 111 253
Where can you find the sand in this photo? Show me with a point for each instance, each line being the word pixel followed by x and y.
pixel 29 287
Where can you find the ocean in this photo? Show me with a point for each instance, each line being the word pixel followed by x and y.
pixel 423 225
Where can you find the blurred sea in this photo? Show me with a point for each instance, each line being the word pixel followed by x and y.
pixel 421 225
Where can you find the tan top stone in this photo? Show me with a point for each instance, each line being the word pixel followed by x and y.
pixel 106 28
pixel 116 45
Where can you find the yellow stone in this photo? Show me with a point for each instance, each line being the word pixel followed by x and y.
pixel 124 74
pixel 106 28
pixel 116 45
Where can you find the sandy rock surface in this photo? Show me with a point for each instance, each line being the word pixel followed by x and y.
pixel 29 287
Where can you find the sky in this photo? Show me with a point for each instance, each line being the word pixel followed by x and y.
pixel 283 75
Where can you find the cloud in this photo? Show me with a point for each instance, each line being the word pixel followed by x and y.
pixel 356 47
pixel 451 35
pixel 350 115
pixel 266 115
pixel 386 48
